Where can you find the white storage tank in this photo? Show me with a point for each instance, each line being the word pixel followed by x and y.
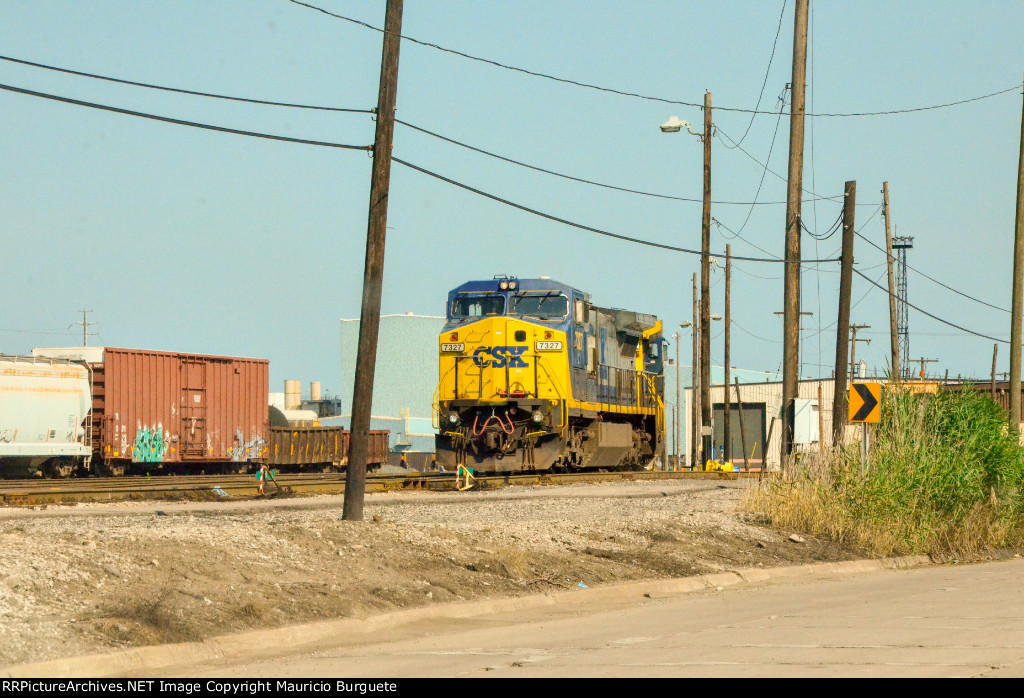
pixel 44 405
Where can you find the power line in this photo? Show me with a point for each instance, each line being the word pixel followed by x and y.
pixel 767 71
pixel 580 226
pixel 248 100
pixel 934 317
pixel 623 93
pixel 535 168
pixel 181 122
pixel 771 149
pixel 934 280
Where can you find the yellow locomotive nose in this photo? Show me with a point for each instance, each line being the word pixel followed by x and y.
pixel 501 358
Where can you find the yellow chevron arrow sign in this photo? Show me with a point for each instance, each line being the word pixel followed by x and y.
pixel 865 402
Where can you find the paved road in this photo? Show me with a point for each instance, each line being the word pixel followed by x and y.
pixel 933 621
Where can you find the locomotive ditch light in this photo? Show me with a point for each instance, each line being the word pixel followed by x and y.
pixel 454 419
pixel 537 416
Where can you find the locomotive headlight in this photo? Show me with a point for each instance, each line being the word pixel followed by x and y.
pixel 453 419
pixel 512 285
pixel 537 416
pixel 503 285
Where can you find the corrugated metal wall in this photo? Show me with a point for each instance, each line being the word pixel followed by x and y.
pixel 769 395
pixel 407 360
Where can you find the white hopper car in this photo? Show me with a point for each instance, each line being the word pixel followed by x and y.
pixel 44 412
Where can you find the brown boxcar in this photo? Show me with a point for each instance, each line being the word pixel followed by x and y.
pixel 320 447
pixel 154 408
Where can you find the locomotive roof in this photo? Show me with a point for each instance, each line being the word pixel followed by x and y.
pixel 491 285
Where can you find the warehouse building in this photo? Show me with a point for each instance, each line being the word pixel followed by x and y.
pixel 403 384
pixel 760 404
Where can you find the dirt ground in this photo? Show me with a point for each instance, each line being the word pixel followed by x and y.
pixel 89 578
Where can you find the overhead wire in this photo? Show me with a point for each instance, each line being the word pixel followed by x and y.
pixel 764 84
pixel 771 149
pixel 179 90
pixel 932 316
pixel 580 226
pixel 581 180
pixel 293 105
pixel 303 141
pixel 932 279
pixel 181 122
pixel 636 95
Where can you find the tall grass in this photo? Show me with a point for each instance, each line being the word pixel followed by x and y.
pixel 946 477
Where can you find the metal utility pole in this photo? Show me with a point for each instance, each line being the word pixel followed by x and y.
pixel 924 361
pixel 1017 306
pixel 839 398
pixel 791 298
pixel 727 439
pixel 695 381
pixel 373 272
pixel 705 285
pixel 901 245
pixel 894 337
pixel 853 345
pixel 85 327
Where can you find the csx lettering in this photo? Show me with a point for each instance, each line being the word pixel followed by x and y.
pixel 502 357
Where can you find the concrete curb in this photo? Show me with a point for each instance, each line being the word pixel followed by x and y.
pixel 262 644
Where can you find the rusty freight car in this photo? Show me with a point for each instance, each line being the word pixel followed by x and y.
pixel 156 410
pixel 320 448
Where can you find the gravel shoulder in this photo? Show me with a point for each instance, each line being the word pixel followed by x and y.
pixel 91 578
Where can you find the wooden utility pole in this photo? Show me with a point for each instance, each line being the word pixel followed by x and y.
pixel 1017 306
pixel 85 327
pixel 694 383
pixel 373 272
pixel 705 285
pixel 794 191
pixel 743 433
pixel 853 347
pixel 821 421
pixel 839 399
pixel 678 425
pixel 725 417
pixel 894 337
pixel 995 353
pixel 924 361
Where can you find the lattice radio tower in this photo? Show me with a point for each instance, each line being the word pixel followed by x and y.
pixel 900 245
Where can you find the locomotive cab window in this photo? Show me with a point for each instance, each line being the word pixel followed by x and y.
pixel 653 356
pixel 477 306
pixel 543 306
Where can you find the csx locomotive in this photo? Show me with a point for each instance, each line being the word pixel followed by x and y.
pixel 533 376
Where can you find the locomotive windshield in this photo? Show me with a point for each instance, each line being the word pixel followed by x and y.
pixel 477 306
pixel 543 306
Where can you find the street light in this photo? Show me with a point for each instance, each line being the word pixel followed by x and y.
pixel 675 125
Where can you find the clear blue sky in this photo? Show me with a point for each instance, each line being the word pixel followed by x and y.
pixel 189 240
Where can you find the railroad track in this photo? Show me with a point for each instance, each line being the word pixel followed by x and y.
pixel 245 487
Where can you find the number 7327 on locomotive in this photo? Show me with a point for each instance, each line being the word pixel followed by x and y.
pixel 533 376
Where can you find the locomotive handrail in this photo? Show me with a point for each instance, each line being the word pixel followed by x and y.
pixel 563 402
pixel 435 403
